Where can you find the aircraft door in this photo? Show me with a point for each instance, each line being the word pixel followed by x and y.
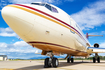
pixel 72 24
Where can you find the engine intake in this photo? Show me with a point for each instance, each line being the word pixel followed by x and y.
pixel 96 45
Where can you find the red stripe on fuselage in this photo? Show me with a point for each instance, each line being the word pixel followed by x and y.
pixel 51 17
pixel 54 45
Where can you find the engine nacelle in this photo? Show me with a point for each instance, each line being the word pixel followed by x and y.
pixel 96 45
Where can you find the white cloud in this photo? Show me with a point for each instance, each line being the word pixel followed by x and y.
pixel 30 1
pixel 102 45
pixel 7 32
pixel 23 1
pixel 19 47
pixel 20 44
pixel 91 16
pixel 97 33
pixel 103 32
pixel 3 45
pixel 2 54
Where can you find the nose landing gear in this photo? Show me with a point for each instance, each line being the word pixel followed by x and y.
pixel 51 62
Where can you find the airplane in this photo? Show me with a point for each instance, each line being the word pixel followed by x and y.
pixel 50 29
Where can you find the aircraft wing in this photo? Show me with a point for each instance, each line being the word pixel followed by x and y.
pixel 95 50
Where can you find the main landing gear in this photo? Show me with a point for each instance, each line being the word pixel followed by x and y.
pixel 51 62
pixel 70 59
pixel 96 58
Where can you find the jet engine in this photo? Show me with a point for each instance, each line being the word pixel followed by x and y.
pixel 96 45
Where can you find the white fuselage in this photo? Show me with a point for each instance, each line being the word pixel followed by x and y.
pixel 46 30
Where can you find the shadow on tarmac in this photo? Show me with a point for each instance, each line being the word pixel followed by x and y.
pixel 61 64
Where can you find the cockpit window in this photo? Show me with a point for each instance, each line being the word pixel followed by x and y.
pixel 51 8
pixel 54 10
pixel 48 7
pixel 41 4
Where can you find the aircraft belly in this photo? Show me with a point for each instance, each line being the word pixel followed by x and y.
pixel 57 48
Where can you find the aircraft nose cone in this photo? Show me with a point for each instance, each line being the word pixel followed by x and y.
pixel 15 18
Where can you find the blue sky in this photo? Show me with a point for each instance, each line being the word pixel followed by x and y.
pixel 89 15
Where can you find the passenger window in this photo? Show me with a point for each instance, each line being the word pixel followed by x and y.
pixel 54 10
pixel 48 7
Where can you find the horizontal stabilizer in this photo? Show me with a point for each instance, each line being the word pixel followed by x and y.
pixel 95 35
pixel 87 35
pixel 95 50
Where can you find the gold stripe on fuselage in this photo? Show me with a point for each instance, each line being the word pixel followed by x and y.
pixel 38 14
pixel 43 16
pixel 35 13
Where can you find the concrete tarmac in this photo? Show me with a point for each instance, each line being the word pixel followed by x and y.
pixel 63 65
